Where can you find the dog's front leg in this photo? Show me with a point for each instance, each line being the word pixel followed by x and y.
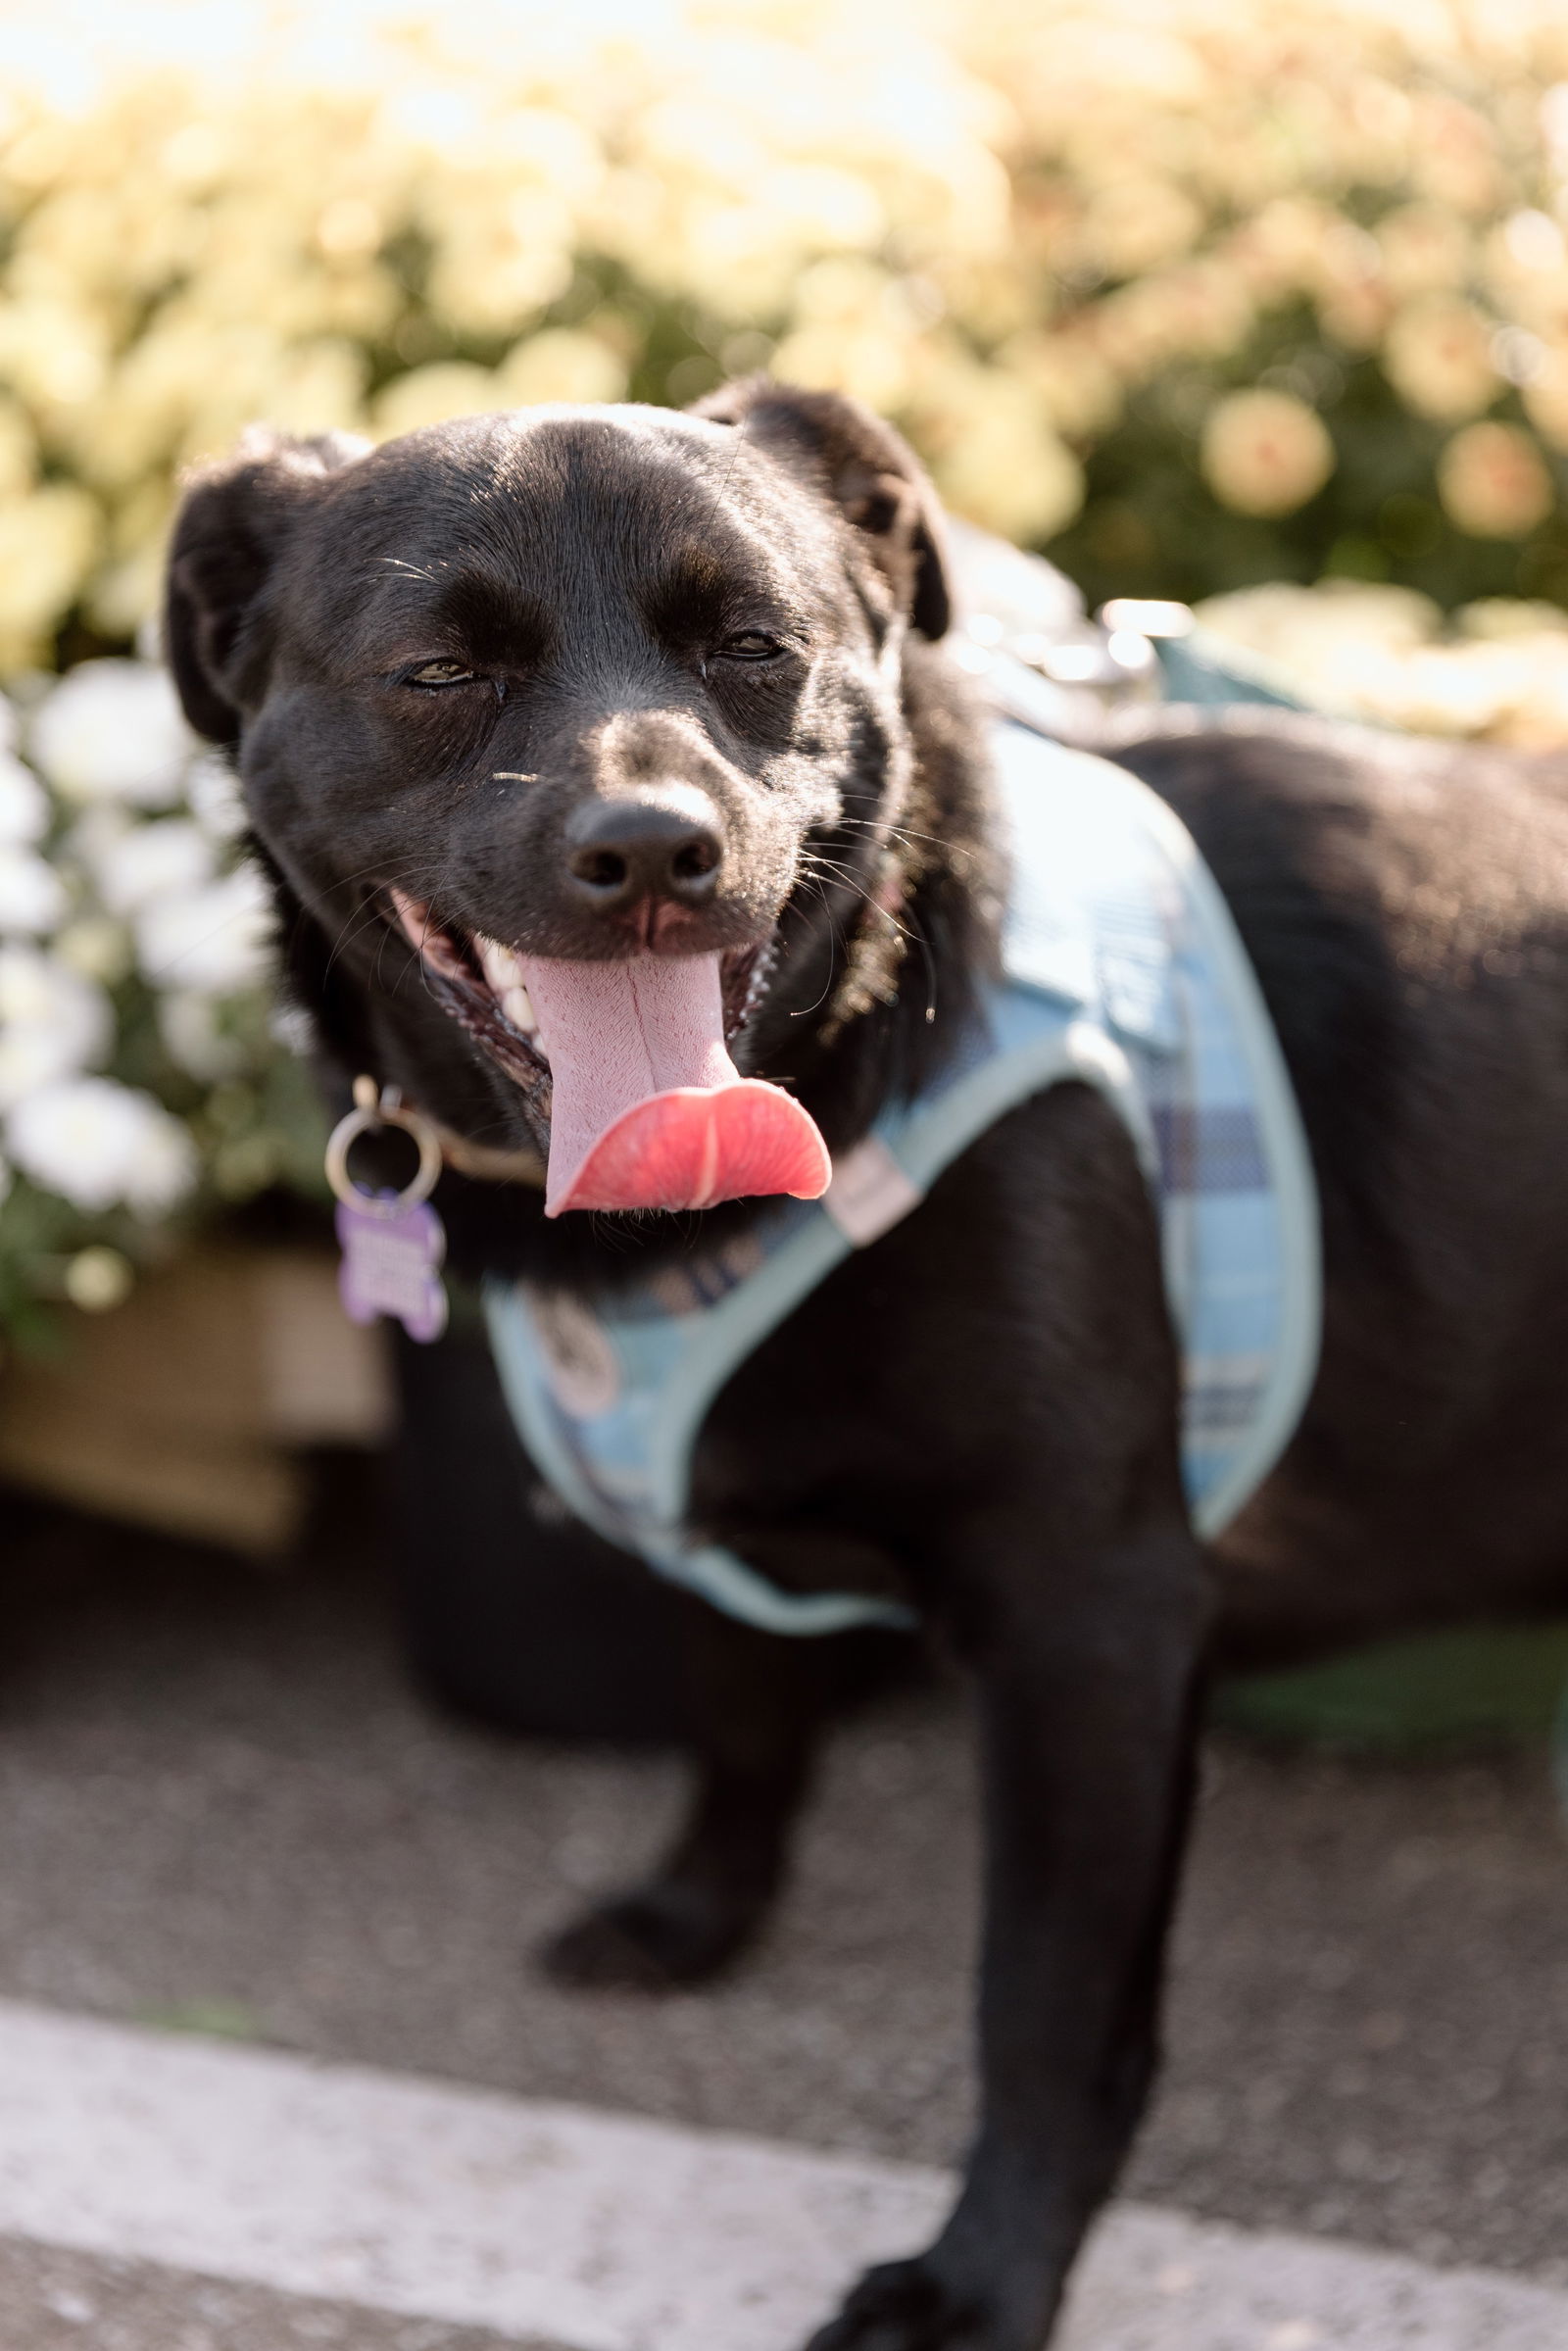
pixel 756 1702
pixel 1088 1702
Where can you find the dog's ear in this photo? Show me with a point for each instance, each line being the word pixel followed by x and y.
pixel 867 470
pixel 233 524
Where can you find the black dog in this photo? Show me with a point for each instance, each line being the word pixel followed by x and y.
pixel 601 684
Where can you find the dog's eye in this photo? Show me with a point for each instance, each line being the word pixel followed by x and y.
pixel 440 673
pixel 750 645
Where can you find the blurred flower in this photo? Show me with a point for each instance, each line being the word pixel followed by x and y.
pixel 1136 225
pixel 212 790
pixel 24 804
pixel 134 865
pixel 113 730
pixel 997 456
pixel 99 1143
pixel 33 897
pixel 52 1023
pixel 1082 395
pixel 1041 241
pixel 214 941
pixel 870 362
pixel 19 450
pixel 1277 252
pixel 1546 395
pixel 1426 250
pixel 434 395
pixel 196 1040
pixel 1454 153
pixel 1494 483
pixel 47 543
pixel 98 1279
pixel 1265 453
pixel 561 364
pixel 1381 654
pixel 95 947
pixel 1438 354
pixel 1347 282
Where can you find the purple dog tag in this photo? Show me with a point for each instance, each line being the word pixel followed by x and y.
pixel 392 1265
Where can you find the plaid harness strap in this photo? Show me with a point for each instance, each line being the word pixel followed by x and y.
pixel 1124 971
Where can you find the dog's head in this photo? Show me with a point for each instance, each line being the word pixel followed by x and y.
pixel 550 726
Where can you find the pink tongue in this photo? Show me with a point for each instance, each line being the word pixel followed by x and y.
pixel 649 1112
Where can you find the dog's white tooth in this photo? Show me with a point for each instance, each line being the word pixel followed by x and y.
pixel 517 1006
pixel 498 963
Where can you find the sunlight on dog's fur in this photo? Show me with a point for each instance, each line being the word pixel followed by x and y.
pixel 452 666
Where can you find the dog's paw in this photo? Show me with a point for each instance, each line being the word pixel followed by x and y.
pixel 659 1937
pixel 903 2306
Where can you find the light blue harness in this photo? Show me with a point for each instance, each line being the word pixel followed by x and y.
pixel 1123 971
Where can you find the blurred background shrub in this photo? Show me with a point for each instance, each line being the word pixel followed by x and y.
pixel 1257 302
pixel 1191 293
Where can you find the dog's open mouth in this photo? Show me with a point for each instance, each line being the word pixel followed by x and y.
pixel 624 1066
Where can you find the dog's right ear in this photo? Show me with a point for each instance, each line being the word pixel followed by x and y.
pixel 866 469
pixel 233 524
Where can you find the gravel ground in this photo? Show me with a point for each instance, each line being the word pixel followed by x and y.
pixel 221 1808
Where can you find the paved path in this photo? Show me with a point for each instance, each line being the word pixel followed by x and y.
pixel 221 1809
pixel 548 2224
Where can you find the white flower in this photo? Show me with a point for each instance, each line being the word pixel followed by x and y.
pixel 113 730
pixel 97 1142
pixel 293 1028
pixel 98 1279
pixel 33 897
pixel 52 1023
pixel 139 864
pixel 218 939
pixel 212 790
pixel 96 946
pixel 8 724
pixel 188 1025
pixel 24 802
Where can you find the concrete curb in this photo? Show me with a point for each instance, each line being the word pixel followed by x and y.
pixel 602 2231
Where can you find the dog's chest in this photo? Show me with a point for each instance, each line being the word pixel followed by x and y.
pixel 1123 972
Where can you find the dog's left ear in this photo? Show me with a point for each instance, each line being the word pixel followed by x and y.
pixel 232 526
pixel 868 470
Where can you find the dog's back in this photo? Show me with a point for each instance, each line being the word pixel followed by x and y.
pixel 1406 906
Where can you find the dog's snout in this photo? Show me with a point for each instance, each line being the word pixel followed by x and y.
pixel 621 851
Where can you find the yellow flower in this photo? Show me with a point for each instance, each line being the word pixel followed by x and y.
pixel 1453 153
pixel 127 589
pixel 19 450
pixel 1352 296
pixel 1265 453
pixel 1426 250
pixel 47 543
pixel 53 353
pixel 869 362
pixel 1546 396
pixel 432 396
pixel 1081 393
pixel 488 279
pixel 1438 357
pixel 1279 249
pixel 1493 482
pixel 1136 225
pixel 994 453
pixel 560 363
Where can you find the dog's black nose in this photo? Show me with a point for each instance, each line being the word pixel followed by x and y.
pixel 621 852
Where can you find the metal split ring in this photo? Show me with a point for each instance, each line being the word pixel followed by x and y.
pixel 373 1109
